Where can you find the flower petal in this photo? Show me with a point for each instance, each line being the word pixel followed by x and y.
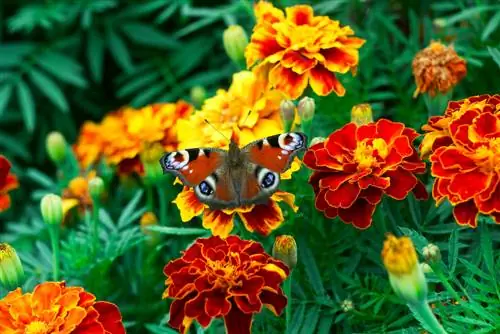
pixel 402 182
pixel 359 214
pixel 287 81
pixel 238 322
pixel 263 219
pixel 189 205
pixel 344 196
pixel 219 222
pixel 466 213
pixel 323 82
pixel 110 317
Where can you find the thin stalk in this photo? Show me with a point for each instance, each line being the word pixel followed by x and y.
pixel 162 198
pixel 150 200
pixel 54 240
pixel 288 310
pixel 427 318
pixel 95 227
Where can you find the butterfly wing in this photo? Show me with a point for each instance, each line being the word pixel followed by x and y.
pixel 205 170
pixel 266 159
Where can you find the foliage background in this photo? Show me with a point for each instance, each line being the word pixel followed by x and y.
pixel 64 62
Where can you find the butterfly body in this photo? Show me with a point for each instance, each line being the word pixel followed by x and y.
pixel 239 176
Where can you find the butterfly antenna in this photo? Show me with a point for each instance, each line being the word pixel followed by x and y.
pixel 246 118
pixel 206 121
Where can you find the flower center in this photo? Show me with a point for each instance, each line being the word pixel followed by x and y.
pixel 369 154
pixel 37 327
pixel 489 156
pixel 225 270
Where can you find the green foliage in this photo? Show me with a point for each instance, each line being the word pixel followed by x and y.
pixel 65 62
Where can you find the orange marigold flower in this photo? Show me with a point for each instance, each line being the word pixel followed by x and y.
pixel 8 182
pixel 246 106
pixel 261 218
pixel 55 308
pixel 77 193
pixel 230 278
pixel 298 48
pixel 123 135
pixel 356 165
pixel 437 68
pixel 466 158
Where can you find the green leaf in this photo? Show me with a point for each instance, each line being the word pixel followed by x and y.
pixel 475 270
pixel 495 54
pixel 157 329
pixel 14 146
pixel 491 26
pixel 487 247
pixel 148 35
pixel 325 324
pixel 131 207
pixel 307 258
pixel 178 230
pixel 5 93
pixel 298 318
pixel 41 178
pixel 63 68
pixel 468 14
pixel 135 84
pixel 311 320
pixel 27 105
pixel 49 89
pixel 119 50
pixel 149 94
pixel 471 321
pixel 453 251
pixel 13 53
pixel 95 54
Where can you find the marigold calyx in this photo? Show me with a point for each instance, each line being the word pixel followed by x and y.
pixel 361 114
pixel 52 209
pixel 235 41
pixel 11 269
pixel 56 147
pixel 285 249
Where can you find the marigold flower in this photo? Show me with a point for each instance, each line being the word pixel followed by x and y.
pixel 124 135
pixel 437 68
pixel 465 145
pixel 406 276
pixel 77 194
pixel 230 278
pixel 247 106
pixel 8 182
pixel 356 165
pixel 54 308
pixel 298 48
pixel 11 269
pixel 260 218
pixel 285 249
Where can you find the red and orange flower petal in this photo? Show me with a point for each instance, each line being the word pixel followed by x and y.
pixel 189 205
pixel 323 82
pixel 263 218
pixel 289 82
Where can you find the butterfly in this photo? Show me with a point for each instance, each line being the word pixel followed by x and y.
pixel 238 176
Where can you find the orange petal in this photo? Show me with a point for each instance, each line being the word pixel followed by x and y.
pixel 285 197
pixel 287 81
pixel 219 222
pixel 4 202
pixel 188 204
pixel 340 60
pixel 323 82
pixel 45 296
pixel 295 166
pixel 300 14
pixel 263 218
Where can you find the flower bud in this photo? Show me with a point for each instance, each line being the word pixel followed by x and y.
pixel 426 268
pixel 405 274
pixel 150 159
pixel 11 269
pixel 96 188
pixel 285 249
pixel 149 219
pixel 235 41
pixel 361 114
pixel 306 108
pixel 347 305
pixel 56 147
pixel 52 209
pixel 287 110
pixel 198 95
pixel 316 140
pixel 431 253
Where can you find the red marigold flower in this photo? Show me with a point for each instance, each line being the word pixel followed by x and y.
pixel 230 278
pixel 8 182
pixel 466 157
pixel 300 48
pixel 55 308
pixel 356 165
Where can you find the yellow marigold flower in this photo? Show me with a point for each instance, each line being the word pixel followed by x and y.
pixel 299 48
pixel 405 274
pixel 11 269
pixel 247 106
pixel 437 68
pixel 285 249
pixel 77 193
pixel 89 145
pixel 362 114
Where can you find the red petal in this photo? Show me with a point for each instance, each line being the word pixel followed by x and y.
pixel 177 313
pixel 339 60
pixel 375 181
pixel 486 124
pixel 344 138
pixel 359 214
pixel 468 185
pixel 452 158
pixel 402 182
pixel 247 305
pixel 276 302
pixel 334 181
pixel 300 14
pixel 344 196
pixel 372 195
pixel 466 213
pixel 237 322
pixel 217 305
pixel 110 317
pixel 420 191
pixel 366 131
pixel 389 130
pixel 287 81
pixel 263 219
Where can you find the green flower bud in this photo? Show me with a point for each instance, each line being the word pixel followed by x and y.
pixel 56 147
pixel 235 41
pixel 347 305
pixel 287 110
pixel 285 249
pixel 96 188
pixel 431 253
pixel 306 109
pixel 361 114
pixel 52 209
pixel 316 140
pixel 198 95
pixel 11 269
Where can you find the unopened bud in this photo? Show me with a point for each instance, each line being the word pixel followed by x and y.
pixel 306 109
pixel 287 110
pixel 316 140
pixel 96 188
pixel 235 41
pixel 11 269
pixel 149 219
pixel 426 268
pixel 285 249
pixel 56 147
pixel 52 209
pixel 361 114
pixel 431 253
pixel 198 95
pixel 347 305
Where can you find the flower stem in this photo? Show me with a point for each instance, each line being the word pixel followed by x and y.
pixel 150 201
pixel 288 309
pixel 95 227
pixel 163 205
pixel 427 318
pixel 54 240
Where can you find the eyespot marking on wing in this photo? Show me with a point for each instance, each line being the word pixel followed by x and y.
pixel 290 141
pixel 177 160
